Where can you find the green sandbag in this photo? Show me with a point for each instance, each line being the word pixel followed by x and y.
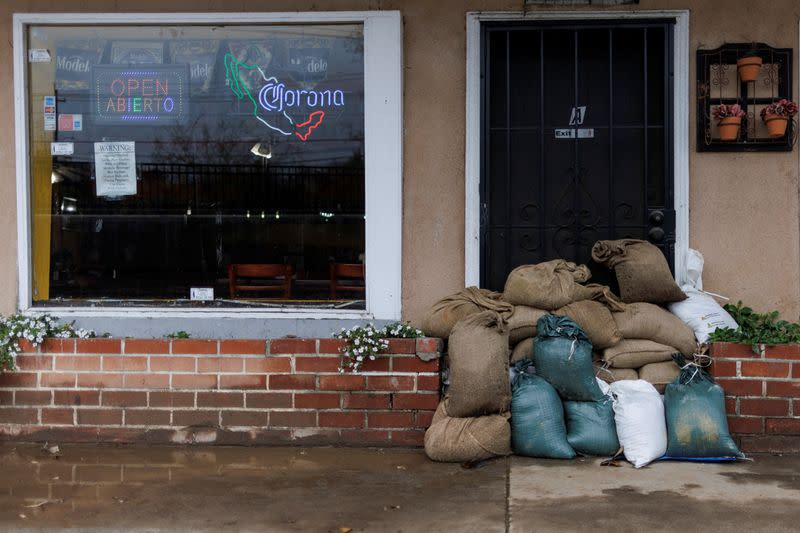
pixel 591 429
pixel 696 422
pixel 537 417
pixel 563 356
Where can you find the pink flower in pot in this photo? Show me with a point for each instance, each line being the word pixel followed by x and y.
pixel 729 120
pixel 776 116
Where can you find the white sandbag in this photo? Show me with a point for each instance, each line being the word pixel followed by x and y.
pixel 604 387
pixel 702 313
pixel 694 269
pixel 641 425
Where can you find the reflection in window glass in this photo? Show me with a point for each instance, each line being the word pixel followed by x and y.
pixel 177 157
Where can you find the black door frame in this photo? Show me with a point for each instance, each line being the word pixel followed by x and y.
pixel 666 22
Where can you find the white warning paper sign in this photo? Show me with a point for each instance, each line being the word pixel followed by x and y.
pixel 115 168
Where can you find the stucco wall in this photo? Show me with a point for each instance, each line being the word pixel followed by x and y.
pixel 743 207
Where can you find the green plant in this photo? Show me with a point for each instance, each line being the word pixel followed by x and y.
pixel 368 342
pixel 178 335
pixel 401 330
pixel 756 329
pixel 34 329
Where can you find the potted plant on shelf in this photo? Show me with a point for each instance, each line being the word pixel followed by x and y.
pixel 729 120
pixel 749 65
pixel 776 116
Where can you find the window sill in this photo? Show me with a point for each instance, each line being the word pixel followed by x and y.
pixel 165 312
pixel 157 322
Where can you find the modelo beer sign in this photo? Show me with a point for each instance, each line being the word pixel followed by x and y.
pixel 144 94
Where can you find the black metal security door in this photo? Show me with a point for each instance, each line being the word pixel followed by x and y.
pixel 576 141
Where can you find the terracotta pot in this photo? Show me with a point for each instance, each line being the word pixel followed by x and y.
pixel 748 68
pixel 729 128
pixel 776 125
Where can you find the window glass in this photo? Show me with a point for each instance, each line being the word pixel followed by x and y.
pixel 170 161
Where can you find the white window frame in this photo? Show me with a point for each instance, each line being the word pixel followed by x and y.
pixel 383 127
pixel 472 242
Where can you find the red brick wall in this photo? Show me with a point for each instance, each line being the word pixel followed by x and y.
pixel 762 394
pixel 282 391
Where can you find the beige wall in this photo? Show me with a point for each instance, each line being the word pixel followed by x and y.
pixel 743 207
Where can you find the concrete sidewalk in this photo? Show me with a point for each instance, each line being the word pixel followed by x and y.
pixel 328 489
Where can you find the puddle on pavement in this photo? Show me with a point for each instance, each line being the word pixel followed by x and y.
pixel 213 488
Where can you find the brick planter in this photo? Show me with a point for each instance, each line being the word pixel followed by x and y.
pixel 762 394
pixel 282 391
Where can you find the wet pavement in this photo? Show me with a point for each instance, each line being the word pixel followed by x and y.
pixel 758 495
pixel 246 489
pixel 339 489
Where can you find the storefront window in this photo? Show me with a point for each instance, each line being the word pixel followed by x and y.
pixel 171 164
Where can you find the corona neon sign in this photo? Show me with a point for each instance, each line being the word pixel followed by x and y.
pixel 277 106
pixel 146 94
pixel 276 97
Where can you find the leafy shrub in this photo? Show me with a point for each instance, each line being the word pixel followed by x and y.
pixel 756 329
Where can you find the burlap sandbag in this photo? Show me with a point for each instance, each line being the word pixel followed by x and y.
pixel 610 375
pixel 522 350
pixel 554 284
pixel 595 319
pixel 478 357
pixel 660 374
pixel 649 321
pixel 443 315
pixel 635 353
pixel 461 440
pixel 522 323
pixel 641 269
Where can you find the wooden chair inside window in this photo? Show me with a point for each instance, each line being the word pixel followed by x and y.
pixel 347 277
pixel 246 279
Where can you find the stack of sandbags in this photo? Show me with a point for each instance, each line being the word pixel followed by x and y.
pixel 650 333
pixel 558 287
pixel 485 329
pixel 472 421
pixel 539 428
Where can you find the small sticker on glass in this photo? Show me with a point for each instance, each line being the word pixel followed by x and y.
pixel 62 148
pixel 49 109
pixel 201 294
pixel 70 122
pixel 38 55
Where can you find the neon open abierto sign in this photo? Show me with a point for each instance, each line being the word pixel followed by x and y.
pixel 141 94
pixel 276 106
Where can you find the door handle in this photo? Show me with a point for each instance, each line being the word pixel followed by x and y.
pixel 656 234
pixel 656 218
